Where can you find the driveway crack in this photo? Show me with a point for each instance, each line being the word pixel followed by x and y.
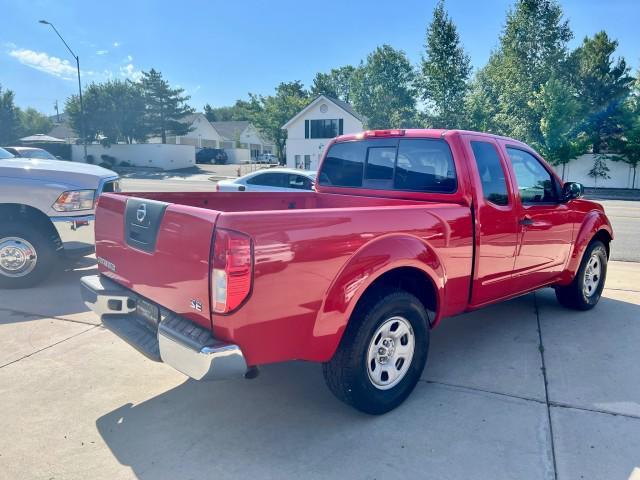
pixel 38 315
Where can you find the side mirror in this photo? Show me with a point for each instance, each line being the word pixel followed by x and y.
pixel 572 190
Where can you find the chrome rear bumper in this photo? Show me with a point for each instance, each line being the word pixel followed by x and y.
pixel 174 340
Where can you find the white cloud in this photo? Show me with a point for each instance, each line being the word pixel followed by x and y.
pixel 130 72
pixel 45 63
pixel 116 44
pixel 129 58
pixel 102 52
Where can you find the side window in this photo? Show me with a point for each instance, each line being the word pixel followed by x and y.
pixel 269 180
pixel 535 183
pixel 299 182
pixel 425 165
pixel 494 183
pixel 344 165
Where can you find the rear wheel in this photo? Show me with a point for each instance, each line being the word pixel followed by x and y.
pixel 382 354
pixel 26 256
pixel 585 290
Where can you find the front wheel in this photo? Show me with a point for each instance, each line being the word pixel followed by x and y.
pixel 585 290
pixel 26 256
pixel 382 354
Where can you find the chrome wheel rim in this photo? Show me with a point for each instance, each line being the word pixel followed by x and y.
pixel 17 257
pixel 592 275
pixel 390 353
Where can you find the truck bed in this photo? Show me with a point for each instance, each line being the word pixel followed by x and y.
pixel 304 245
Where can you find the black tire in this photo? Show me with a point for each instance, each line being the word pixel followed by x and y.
pixel 575 295
pixel 347 374
pixel 45 254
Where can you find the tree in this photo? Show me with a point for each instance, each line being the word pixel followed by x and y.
pixel 532 48
pixel 384 90
pixel 9 118
pixel 114 112
pixel 558 108
pixel 627 145
pixel 270 113
pixel 445 72
pixel 602 85
pixel 337 83
pixel 239 111
pixel 166 107
pixel 32 122
pixel 599 169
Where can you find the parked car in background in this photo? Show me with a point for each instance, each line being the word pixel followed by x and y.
pixel 212 155
pixel 270 180
pixel 46 214
pixel 404 228
pixel 30 152
pixel 267 158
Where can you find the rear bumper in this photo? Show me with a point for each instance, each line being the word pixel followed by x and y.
pixel 173 340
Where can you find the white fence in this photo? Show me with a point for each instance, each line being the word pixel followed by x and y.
pixel 577 170
pixel 166 157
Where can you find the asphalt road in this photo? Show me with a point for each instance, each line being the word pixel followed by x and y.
pixel 623 214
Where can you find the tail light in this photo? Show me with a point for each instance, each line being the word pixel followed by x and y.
pixel 231 270
pixel 384 133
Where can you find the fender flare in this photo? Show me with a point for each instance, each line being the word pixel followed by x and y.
pixel 364 267
pixel 593 224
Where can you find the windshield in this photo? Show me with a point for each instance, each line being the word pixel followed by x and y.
pixel 5 154
pixel 38 153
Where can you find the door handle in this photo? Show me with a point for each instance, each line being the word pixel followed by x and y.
pixel 526 221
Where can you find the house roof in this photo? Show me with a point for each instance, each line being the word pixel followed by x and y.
pixel 341 104
pixel 230 130
pixel 62 130
pixel 41 137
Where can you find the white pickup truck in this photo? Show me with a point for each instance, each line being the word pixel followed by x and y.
pixel 46 215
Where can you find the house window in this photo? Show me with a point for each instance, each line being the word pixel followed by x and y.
pixel 323 128
pixel 307 162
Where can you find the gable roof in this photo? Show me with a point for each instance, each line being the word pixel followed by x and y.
pixel 230 130
pixel 339 103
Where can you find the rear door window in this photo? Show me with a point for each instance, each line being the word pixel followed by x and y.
pixel 492 177
pixel 425 165
pixel 269 180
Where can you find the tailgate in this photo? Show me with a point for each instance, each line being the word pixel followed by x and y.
pixel 159 250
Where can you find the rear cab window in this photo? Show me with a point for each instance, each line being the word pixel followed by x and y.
pixel 410 164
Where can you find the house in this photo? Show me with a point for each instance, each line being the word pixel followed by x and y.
pixel 62 128
pixel 201 135
pixel 311 129
pixel 242 134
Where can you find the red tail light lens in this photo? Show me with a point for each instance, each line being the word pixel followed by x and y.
pixel 231 270
pixel 384 133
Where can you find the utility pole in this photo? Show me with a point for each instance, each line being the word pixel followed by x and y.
pixel 82 124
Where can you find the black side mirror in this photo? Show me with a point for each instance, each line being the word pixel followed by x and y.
pixel 572 190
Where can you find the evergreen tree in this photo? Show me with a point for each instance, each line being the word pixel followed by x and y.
pixel 602 85
pixel 33 122
pixel 9 118
pixel 533 47
pixel 384 91
pixel 166 107
pixel 445 72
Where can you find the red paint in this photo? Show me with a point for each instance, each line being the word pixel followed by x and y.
pixel 315 253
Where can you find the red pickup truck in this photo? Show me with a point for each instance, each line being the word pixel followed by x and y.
pixel 404 228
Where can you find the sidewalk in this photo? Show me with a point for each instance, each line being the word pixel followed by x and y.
pixel 77 402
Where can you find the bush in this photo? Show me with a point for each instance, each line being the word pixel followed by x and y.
pixel 91 159
pixel 108 160
pixel 124 163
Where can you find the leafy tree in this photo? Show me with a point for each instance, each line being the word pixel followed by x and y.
pixel 166 107
pixel 599 169
pixel 114 112
pixel 532 48
pixel 445 72
pixel 627 145
pixel 384 90
pixel 337 83
pixel 239 111
pixel 558 108
pixel 32 122
pixel 602 85
pixel 270 113
pixel 9 118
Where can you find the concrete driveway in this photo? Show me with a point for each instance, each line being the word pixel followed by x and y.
pixel 76 402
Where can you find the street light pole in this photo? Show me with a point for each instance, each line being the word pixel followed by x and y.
pixel 82 124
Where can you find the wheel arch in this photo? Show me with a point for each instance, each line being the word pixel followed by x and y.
pixel 16 212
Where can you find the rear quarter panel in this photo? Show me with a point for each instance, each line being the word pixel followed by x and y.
pixel 312 266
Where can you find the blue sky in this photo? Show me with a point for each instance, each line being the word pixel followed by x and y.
pixel 220 51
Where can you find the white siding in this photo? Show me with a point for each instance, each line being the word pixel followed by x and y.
pixel 314 147
pixel 577 170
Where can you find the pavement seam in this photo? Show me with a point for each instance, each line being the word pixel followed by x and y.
pixel 39 315
pixel 622 289
pixel 594 410
pixel 91 327
pixel 546 385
